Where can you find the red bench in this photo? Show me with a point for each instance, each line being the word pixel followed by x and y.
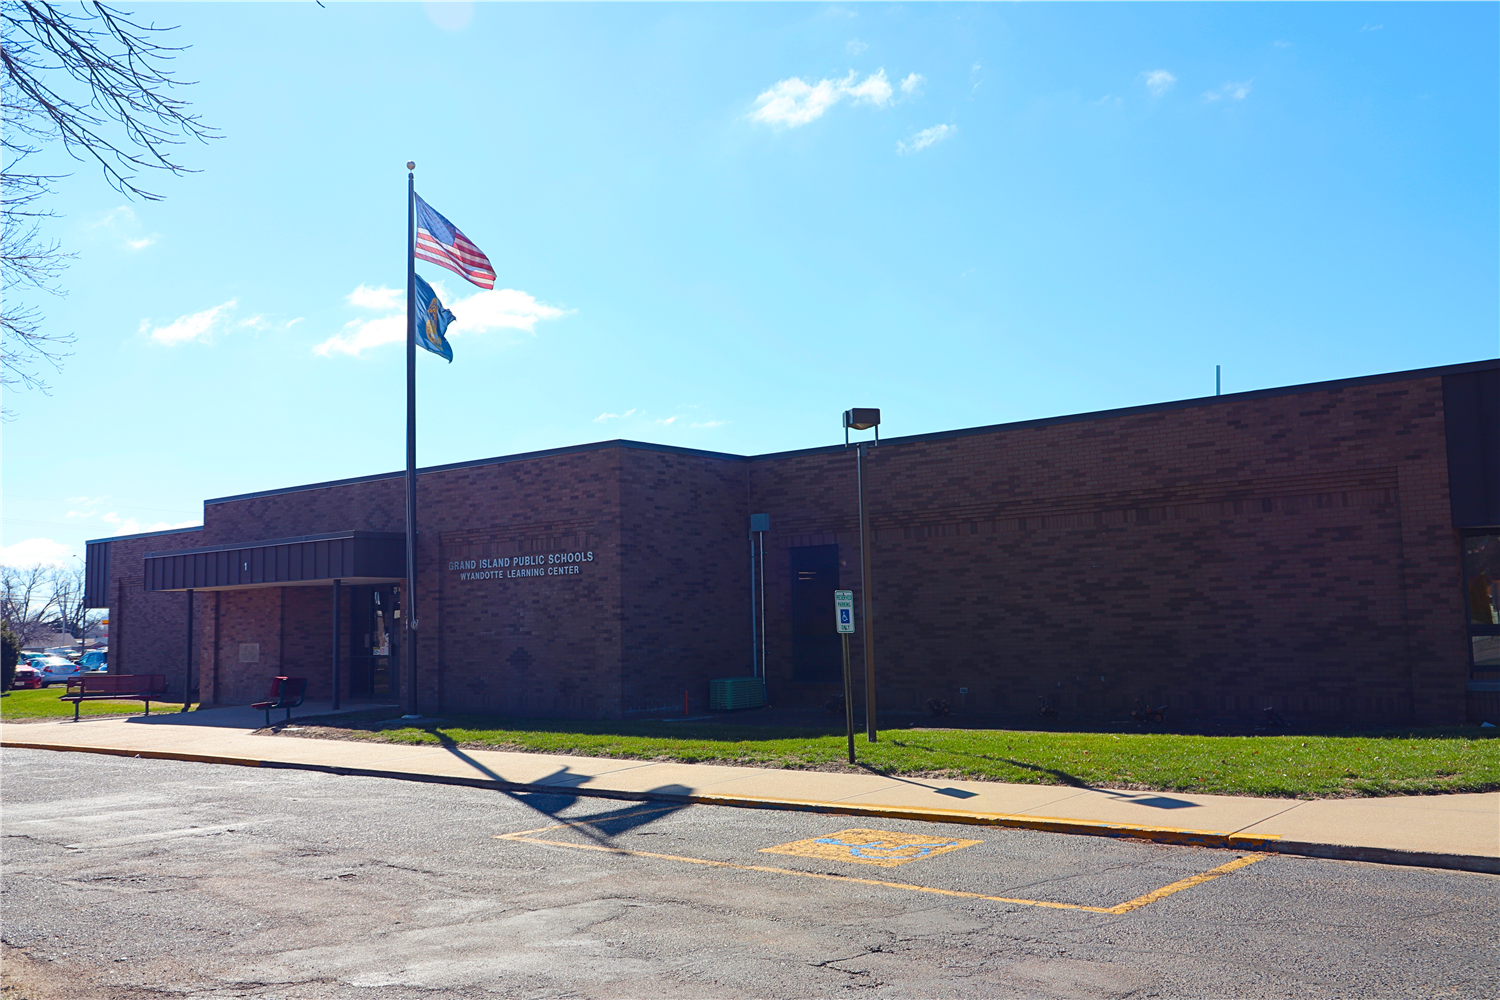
pixel 115 687
pixel 286 692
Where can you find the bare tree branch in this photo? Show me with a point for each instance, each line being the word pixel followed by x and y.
pixel 72 609
pixel 99 83
pixel 28 602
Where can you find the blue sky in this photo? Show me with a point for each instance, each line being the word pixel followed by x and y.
pixel 720 225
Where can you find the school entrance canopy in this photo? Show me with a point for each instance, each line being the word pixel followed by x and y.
pixel 351 557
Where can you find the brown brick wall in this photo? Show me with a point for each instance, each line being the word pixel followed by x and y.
pixel 685 579
pixel 523 633
pixel 249 617
pixel 1293 551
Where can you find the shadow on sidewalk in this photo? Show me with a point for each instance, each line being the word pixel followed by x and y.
pixel 600 826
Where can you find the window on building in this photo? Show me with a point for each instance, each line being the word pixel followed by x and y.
pixel 1482 598
pixel 816 653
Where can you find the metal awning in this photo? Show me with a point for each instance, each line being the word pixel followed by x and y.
pixel 354 557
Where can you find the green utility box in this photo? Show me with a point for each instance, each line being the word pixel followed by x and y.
pixel 727 693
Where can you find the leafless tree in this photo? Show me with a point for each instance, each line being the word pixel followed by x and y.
pixel 28 602
pixel 73 612
pixel 98 83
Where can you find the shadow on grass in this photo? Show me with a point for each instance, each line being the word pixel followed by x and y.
pixel 1062 777
pixel 677 732
pixel 749 732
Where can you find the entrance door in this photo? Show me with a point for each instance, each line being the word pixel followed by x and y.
pixel 373 642
pixel 816 652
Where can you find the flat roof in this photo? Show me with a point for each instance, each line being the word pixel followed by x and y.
pixel 1179 404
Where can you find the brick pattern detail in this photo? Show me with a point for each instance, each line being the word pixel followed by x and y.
pixel 1292 552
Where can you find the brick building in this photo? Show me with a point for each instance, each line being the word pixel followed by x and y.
pixel 1329 550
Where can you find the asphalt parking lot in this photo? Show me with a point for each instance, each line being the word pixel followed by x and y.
pixel 131 878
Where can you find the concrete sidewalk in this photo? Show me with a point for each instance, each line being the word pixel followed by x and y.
pixel 1445 831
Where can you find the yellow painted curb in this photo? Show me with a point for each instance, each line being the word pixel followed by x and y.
pixel 1017 821
pixel 1044 824
pixel 1271 843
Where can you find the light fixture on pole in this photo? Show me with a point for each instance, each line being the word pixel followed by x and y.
pixel 863 419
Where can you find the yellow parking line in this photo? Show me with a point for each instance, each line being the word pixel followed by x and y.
pixel 1187 883
pixel 527 837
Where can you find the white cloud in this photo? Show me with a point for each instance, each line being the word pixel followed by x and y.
pixel 854 46
pixel 115 216
pixel 194 326
pixel 1371 27
pixel 1232 91
pixel 366 297
pixel 876 88
pixel 495 309
pixel 131 526
pixel 912 83
pixel 452 15
pixel 123 224
pixel 362 334
pixel 682 419
pixel 795 102
pixel 1158 81
pixel 35 552
pixel 499 309
pixel 925 138
pixel 120 524
pixel 1282 44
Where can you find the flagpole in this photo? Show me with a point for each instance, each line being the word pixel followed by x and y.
pixel 409 606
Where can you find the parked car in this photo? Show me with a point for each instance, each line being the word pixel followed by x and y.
pixel 26 676
pixel 54 669
pixel 95 661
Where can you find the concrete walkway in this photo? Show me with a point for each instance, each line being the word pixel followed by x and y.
pixel 1447 831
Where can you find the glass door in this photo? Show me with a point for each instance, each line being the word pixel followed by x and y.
pixel 373 641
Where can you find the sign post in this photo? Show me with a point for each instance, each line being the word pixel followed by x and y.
pixel 843 611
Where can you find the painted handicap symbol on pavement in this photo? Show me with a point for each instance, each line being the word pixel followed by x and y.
pixel 871 847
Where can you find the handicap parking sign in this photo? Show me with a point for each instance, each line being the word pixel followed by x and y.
pixel 843 609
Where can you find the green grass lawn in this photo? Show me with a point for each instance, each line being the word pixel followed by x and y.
pixel 43 703
pixel 1424 761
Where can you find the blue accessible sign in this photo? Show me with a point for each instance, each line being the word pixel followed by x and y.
pixel 843 610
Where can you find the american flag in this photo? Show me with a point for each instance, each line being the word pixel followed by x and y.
pixel 440 242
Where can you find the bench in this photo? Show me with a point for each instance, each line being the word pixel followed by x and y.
pixel 115 687
pixel 286 692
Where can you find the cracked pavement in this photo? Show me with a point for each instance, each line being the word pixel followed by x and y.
pixel 128 879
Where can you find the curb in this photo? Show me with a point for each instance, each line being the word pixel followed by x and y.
pixel 1269 844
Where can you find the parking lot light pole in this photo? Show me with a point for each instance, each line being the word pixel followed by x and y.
pixel 863 419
